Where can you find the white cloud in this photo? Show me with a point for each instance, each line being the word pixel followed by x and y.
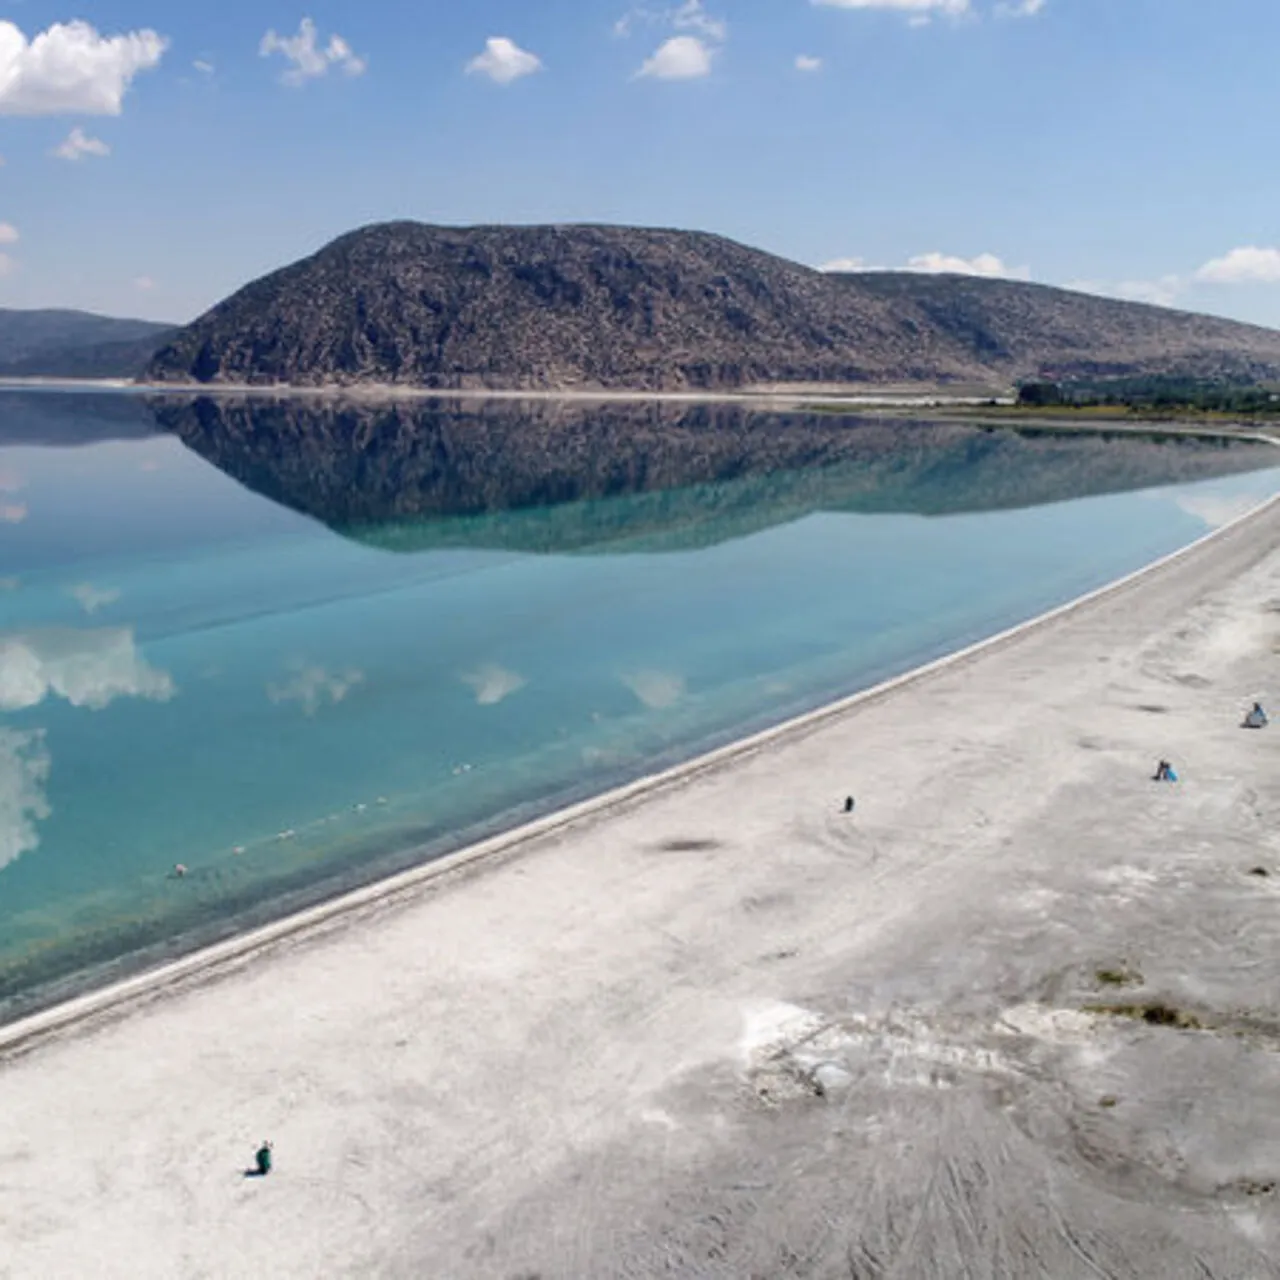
pixel 985 264
pixel 844 264
pixel 12 512
pixel 492 683
pixel 8 233
pixel 70 68
pixel 689 16
pixel 78 144
pixel 203 67
pixel 144 284
pixel 806 63
pixel 311 686
pixel 920 9
pixel 24 770
pixel 1020 8
pixel 1157 293
pixel 1163 292
pixel 87 668
pixel 91 598
pixel 1248 265
pixel 503 61
pixel 680 58
pixel 307 58
pixel 656 689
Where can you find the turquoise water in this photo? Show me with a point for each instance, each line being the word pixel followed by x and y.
pixel 193 672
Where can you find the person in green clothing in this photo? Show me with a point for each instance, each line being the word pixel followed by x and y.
pixel 264 1159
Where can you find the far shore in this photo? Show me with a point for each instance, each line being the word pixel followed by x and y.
pixel 988 408
pixel 784 395
pixel 1015 1013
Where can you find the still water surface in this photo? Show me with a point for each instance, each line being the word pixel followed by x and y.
pixel 293 647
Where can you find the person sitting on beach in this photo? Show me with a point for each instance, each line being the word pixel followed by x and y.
pixel 1257 718
pixel 263 1159
pixel 848 804
pixel 1164 772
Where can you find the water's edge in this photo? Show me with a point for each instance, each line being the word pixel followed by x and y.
pixel 95 993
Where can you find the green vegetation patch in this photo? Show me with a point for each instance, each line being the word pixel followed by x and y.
pixel 1156 394
pixel 1154 1014
pixel 1123 976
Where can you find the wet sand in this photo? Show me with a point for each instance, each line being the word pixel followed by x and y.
pixel 1018 1015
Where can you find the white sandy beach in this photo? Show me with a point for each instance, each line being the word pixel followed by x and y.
pixel 724 1029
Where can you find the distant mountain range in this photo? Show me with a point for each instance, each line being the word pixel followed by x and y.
pixel 76 344
pixel 585 307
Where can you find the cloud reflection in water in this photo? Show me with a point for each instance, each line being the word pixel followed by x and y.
pixel 24 770
pixel 492 683
pixel 87 668
pixel 658 690
pixel 91 598
pixel 311 686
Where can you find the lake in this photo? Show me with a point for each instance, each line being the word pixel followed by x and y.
pixel 295 645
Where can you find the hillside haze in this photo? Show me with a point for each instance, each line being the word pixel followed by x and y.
pixel 565 307
pixel 76 344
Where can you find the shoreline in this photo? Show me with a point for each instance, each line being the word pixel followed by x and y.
pixel 117 998
pixel 986 410
pixel 889 394
pixel 1017 1015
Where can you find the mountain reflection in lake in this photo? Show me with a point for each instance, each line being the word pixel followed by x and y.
pixel 647 476
pixel 296 644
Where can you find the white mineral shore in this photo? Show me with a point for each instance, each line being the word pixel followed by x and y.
pixel 725 1029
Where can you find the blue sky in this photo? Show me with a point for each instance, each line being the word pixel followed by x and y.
pixel 163 154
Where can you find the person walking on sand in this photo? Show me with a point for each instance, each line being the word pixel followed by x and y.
pixel 263 1159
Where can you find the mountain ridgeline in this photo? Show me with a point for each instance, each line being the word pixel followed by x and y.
pixel 595 307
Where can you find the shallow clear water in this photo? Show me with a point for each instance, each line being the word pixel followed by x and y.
pixel 191 672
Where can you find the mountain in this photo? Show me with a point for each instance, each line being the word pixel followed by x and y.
pixel 76 344
pixel 570 477
pixel 564 307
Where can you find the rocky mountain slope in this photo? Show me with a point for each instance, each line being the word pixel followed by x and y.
pixel 76 344
pixel 566 307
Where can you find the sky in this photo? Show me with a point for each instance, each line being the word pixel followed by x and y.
pixel 158 155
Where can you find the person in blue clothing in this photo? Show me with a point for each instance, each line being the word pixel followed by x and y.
pixel 263 1159
pixel 1165 772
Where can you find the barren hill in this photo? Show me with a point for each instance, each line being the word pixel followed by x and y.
pixel 564 307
